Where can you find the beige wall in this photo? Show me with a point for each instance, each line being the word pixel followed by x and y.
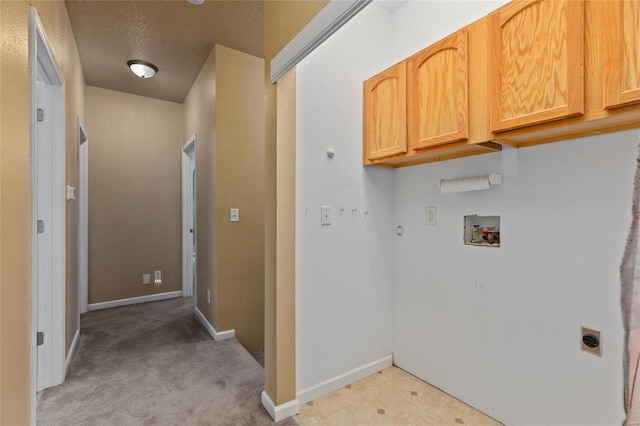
pixel 221 109
pixel 282 21
pixel 75 97
pixel 134 194
pixel 15 189
pixel 199 119
pixel 240 177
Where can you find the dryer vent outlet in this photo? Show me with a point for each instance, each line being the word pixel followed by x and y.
pixel 590 341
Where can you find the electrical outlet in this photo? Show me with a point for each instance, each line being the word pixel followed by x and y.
pixel 591 341
pixel 430 215
pixel 146 279
pixel 208 296
pixel 157 277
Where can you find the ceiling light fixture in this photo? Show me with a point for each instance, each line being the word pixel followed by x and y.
pixel 142 69
pixel 196 2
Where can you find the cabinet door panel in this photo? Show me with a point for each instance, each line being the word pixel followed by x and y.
pixel 537 62
pixel 438 98
pixel 622 53
pixel 385 113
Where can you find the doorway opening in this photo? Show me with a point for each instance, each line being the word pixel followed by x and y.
pixel 48 210
pixel 189 240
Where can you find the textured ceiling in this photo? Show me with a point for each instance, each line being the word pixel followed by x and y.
pixel 174 35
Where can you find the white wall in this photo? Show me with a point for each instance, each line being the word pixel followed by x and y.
pixel 497 328
pixel 420 23
pixel 344 270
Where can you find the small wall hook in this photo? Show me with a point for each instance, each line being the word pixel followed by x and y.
pixel 331 152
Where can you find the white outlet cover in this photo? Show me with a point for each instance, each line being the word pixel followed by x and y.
pixel 430 216
pixel 146 279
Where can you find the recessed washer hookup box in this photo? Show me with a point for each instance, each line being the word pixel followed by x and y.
pixel 482 231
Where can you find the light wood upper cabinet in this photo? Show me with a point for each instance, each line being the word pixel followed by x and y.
pixel 531 72
pixel 537 62
pixel 622 53
pixel 385 113
pixel 438 106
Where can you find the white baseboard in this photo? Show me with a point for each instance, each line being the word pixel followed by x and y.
pixel 72 351
pixel 323 388
pixel 217 335
pixel 281 411
pixel 134 300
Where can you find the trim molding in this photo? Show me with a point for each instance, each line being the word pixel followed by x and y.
pixel 323 388
pixel 281 411
pixel 217 335
pixel 72 351
pixel 134 300
pixel 334 15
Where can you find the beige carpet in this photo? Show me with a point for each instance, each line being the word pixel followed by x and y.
pixel 154 364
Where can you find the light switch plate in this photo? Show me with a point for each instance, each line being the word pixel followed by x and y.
pixel 325 215
pixel 234 215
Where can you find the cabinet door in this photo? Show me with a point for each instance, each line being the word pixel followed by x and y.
pixel 385 113
pixel 438 93
pixel 537 62
pixel 622 53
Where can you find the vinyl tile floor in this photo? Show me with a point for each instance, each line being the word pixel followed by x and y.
pixel 391 397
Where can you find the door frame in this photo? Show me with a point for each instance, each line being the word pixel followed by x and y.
pixel 188 209
pixel 54 355
pixel 83 220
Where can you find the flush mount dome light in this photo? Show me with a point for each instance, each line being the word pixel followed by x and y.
pixel 142 69
pixel 196 2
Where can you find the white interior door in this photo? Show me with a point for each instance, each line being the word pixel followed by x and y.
pixel 193 222
pixel 43 228
pixel 49 231
pixel 83 221
pixel 48 186
pixel 188 218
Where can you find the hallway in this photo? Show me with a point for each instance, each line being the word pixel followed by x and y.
pixel 154 363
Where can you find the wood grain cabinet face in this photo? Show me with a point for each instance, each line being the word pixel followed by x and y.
pixel 438 105
pixel 385 113
pixel 622 53
pixel 536 62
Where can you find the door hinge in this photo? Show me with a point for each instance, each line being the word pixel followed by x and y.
pixel 39 338
pixel 40 226
pixel 40 115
